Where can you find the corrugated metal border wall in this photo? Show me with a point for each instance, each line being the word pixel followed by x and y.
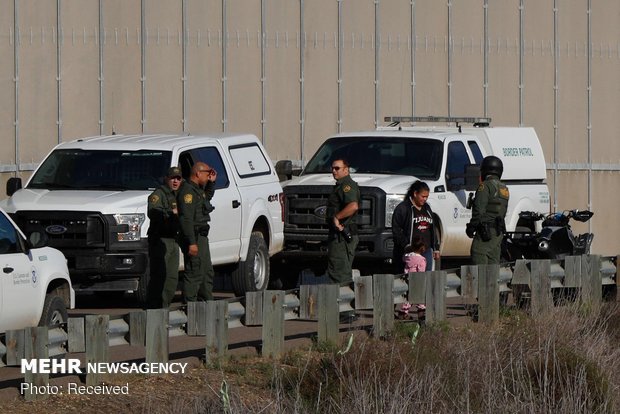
pixel 549 64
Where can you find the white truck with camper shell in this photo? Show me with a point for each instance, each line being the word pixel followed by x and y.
pixel 90 197
pixel 35 289
pixel 384 162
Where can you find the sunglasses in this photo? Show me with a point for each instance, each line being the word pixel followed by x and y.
pixel 336 168
pixel 206 171
pixel 176 177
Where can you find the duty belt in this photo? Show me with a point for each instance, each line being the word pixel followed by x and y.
pixel 202 230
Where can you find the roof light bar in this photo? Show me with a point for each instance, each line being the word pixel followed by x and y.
pixel 395 120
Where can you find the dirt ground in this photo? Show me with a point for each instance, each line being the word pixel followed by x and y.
pixel 246 375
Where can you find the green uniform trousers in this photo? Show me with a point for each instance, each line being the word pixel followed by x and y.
pixel 164 271
pixel 340 255
pixel 486 252
pixel 199 273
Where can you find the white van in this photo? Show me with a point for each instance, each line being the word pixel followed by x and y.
pixel 90 196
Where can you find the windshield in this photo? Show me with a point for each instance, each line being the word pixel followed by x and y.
pixel 77 169
pixel 380 155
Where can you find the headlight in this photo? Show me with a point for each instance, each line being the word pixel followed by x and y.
pixel 134 221
pixel 391 201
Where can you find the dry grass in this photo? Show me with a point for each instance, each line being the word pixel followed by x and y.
pixel 566 361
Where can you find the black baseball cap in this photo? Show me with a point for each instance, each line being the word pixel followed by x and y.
pixel 174 172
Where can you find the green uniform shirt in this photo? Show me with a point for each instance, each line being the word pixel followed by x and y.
pixel 164 223
pixel 194 208
pixel 345 191
pixel 491 201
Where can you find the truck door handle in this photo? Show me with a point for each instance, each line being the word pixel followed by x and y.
pixel 7 269
pixel 235 203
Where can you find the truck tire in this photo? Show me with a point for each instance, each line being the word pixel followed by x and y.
pixel 54 311
pixel 142 292
pixel 252 274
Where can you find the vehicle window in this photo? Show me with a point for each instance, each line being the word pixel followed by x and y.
pixel 380 155
pixel 76 169
pixel 473 147
pixel 209 155
pixel 249 160
pixel 8 236
pixel 455 167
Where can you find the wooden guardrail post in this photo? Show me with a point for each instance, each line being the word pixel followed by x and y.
pixel 308 302
pixel 75 335
pixel 97 345
pixel 540 286
pixel 196 318
pixel 362 286
pixel 15 342
pixel 328 313
pixel 137 328
pixel 417 287
pixel 521 273
pixel 592 288
pixel 216 329
pixel 572 272
pixel 469 284
pixel 429 288
pixel 253 308
pixel 436 296
pixel 488 293
pixel 273 323
pixel 157 335
pixel 383 317
pixel 35 347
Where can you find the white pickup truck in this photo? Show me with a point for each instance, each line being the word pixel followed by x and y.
pixel 90 197
pixel 384 162
pixel 35 288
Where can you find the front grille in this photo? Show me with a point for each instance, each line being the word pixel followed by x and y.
pixel 305 209
pixel 65 229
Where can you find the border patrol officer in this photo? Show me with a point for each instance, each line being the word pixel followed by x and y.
pixel 194 208
pixel 487 225
pixel 163 241
pixel 342 206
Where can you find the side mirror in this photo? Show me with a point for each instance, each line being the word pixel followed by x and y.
pixel 582 215
pixel 472 177
pixel 12 185
pixel 454 183
pixel 284 169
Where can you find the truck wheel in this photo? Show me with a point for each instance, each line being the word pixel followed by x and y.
pixel 54 311
pixel 143 288
pixel 252 274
